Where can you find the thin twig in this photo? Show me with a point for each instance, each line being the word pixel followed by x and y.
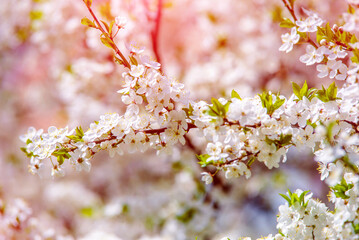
pixel 155 32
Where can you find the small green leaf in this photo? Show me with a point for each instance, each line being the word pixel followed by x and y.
pixel 108 42
pixel 296 90
pixel 286 198
pixel 234 94
pixel 286 23
pixel 203 159
pixel 355 227
pixel 251 161
pixel 119 61
pixel 111 27
pixel 351 9
pixel 79 132
pixel 332 92
pixel 189 110
pixel 133 60
pixel 304 89
pixel 36 15
pixel 106 25
pixel 186 215
pixel 87 22
pixel 291 2
pixel 87 212
pixel 60 159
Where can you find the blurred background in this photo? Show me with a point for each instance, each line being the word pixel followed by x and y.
pixel 55 72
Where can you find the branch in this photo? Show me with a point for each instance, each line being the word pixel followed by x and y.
pixel 155 32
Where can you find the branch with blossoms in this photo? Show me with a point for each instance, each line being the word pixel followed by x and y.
pixel 239 131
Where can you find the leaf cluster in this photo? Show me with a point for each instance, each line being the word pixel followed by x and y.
pixel 337 37
pixel 340 189
pixel 217 109
pixel 284 140
pixel 293 198
pixel 77 137
pixel 267 102
pixel 329 94
pixel 203 160
pixel 303 91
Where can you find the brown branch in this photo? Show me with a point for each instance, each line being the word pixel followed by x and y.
pixel 118 52
pixel 155 33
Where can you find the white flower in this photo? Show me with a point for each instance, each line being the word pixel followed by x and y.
pixel 172 135
pixel 120 22
pixel 207 178
pixel 298 112
pixel 324 69
pixel 57 171
pixel 137 71
pixel 313 55
pixel 79 160
pixel 132 98
pixel 337 69
pixel 237 169
pixel 133 48
pixel 148 62
pixel 215 151
pixel 310 24
pixel 351 21
pixel 31 134
pixel 288 40
pixel 337 52
pixel 270 155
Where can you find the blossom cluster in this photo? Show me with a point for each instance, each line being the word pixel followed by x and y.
pixel 239 132
pixel 17 222
pixel 303 217
pixel 151 120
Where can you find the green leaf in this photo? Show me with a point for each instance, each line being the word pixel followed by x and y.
pixel 119 61
pixel 278 103
pixel 186 215
pixel 291 2
pixel 133 60
pixel 296 90
pixel 36 15
pixel 87 22
pixel 332 92
pixel 108 42
pixel 111 27
pixel 218 109
pixel 234 94
pixel 286 198
pixel 188 111
pixel 251 161
pixel 355 227
pixel 28 154
pixel 267 102
pixel 285 140
pixel 304 89
pixel 106 25
pixel 286 23
pixel 203 159
pixel 353 39
pixel 351 9
pixel 340 189
pixel 79 131
pixel 87 212
pixel 329 94
pixel 60 159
